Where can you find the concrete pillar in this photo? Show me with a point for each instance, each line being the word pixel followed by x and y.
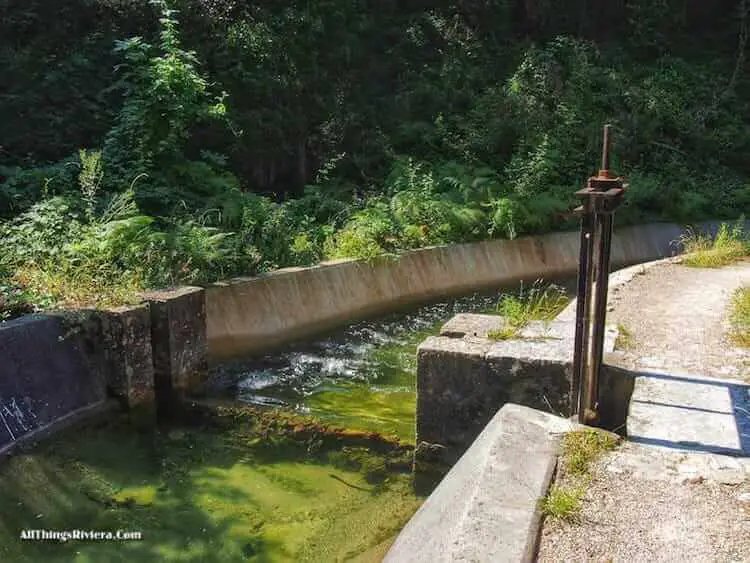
pixel 129 366
pixel 178 339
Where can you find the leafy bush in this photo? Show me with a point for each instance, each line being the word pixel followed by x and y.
pixel 165 99
pixel 59 253
pixel 22 187
pixel 342 130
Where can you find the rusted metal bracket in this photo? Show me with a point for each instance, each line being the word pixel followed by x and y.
pixel 602 195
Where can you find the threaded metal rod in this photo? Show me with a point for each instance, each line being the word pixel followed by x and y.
pixel 606 145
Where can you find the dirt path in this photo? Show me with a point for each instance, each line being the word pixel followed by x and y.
pixel 647 503
pixel 677 317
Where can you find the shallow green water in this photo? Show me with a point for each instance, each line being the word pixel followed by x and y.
pixel 363 376
pixel 203 495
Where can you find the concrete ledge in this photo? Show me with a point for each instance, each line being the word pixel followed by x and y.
pixel 252 315
pixel 463 380
pixel 487 507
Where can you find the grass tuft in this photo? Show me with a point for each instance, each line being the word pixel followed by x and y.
pixel 582 447
pixel 625 339
pixel 538 304
pixel 740 317
pixel 730 245
pixel 563 503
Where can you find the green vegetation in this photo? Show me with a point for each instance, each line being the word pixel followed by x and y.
pixel 624 338
pixel 244 138
pixel 740 317
pixel 360 406
pixel 580 449
pixel 730 245
pixel 537 304
pixel 210 494
pixel 563 503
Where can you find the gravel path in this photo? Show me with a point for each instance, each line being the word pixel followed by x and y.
pixel 646 504
pixel 677 317
pixel 628 519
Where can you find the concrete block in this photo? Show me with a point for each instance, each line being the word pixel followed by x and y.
pixel 178 340
pixel 126 337
pixel 465 324
pixel 455 395
pixel 487 507
pixel 462 382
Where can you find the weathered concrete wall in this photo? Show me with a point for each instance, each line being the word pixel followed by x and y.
pixel 46 377
pixel 62 368
pixel 178 339
pixel 487 507
pixel 250 315
pixel 125 335
pixel 463 378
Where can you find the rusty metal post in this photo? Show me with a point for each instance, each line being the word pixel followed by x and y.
pixel 600 307
pixel 601 197
pixel 585 266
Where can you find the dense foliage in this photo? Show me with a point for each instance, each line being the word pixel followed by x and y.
pixel 224 138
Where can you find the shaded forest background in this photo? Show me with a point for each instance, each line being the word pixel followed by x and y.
pixel 149 144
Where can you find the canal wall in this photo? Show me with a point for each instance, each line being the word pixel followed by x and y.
pixel 246 316
pixel 60 369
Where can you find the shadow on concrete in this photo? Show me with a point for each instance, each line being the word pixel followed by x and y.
pixel 739 396
pixel 688 445
pixel 682 407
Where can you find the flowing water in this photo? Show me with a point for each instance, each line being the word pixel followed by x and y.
pixel 361 377
pixel 199 492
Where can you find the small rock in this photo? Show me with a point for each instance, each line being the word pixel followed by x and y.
pixel 694 480
pixel 743 497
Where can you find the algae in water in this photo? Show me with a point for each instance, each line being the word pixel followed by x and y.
pixel 204 494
